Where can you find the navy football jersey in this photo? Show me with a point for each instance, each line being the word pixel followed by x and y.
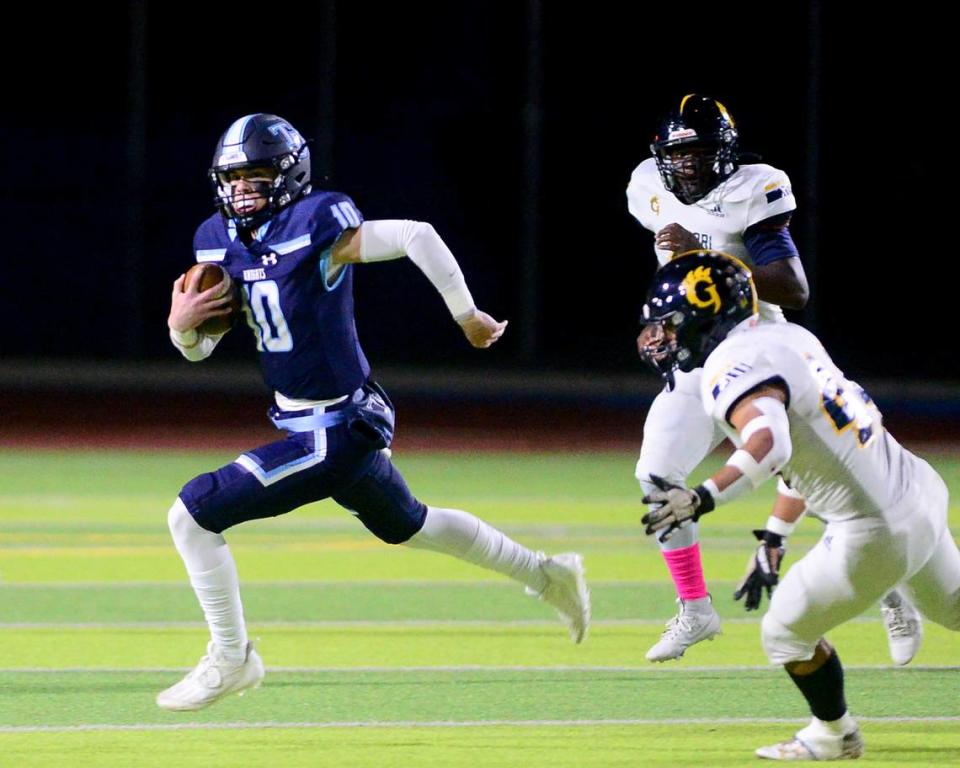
pixel 304 327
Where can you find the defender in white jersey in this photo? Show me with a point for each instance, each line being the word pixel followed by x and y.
pixel 774 390
pixel 693 193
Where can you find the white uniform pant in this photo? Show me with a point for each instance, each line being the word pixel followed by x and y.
pixel 858 561
pixel 677 435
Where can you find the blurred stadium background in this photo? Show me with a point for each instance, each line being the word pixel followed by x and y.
pixel 513 128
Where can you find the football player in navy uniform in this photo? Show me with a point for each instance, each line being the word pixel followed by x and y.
pixel 290 249
pixel 694 193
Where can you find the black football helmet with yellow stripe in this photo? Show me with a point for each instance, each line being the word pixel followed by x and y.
pixel 696 148
pixel 695 301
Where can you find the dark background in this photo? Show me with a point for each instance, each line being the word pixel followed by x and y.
pixel 513 128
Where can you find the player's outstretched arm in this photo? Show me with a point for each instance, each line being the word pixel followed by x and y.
pixel 763 567
pixel 388 239
pixel 761 419
pixel 189 307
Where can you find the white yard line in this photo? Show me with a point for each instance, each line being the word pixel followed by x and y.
pixel 646 668
pixel 361 623
pixel 442 724
pixel 184 584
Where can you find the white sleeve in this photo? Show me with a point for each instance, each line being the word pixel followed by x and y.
pixel 392 238
pixel 639 197
pixel 193 345
pixel 754 472
pixel 726 381
pixel 633 203
pixel 772 196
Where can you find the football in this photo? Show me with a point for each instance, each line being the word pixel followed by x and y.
pixel 208 276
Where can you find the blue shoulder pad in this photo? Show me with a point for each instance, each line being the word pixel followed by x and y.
pixel 327 216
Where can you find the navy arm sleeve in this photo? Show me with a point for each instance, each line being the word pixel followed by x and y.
pixel 769 240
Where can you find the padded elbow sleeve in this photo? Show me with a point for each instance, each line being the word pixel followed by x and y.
pixel 773 418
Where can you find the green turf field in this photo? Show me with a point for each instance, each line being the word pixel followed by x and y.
pixel 382 656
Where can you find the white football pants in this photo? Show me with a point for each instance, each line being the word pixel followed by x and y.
pixel 677 435
pixel 857 561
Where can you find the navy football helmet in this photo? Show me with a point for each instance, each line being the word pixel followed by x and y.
pixel 696 148
pixel 260 142
pixel 696 299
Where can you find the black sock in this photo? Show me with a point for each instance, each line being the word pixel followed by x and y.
pixel 823 689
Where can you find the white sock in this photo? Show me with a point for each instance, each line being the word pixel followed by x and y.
pixel 213 576
pixel 841 727
pixel 458 533
pixel 700 605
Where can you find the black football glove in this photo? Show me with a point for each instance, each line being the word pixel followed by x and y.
pixel 763 570
pixel 678 507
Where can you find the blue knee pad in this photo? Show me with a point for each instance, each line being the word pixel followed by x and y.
pixel 383 503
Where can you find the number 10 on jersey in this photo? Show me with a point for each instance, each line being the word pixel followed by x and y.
pixel 265 316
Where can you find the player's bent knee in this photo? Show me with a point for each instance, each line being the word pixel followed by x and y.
pixel 645 468
pixel 184 527
pixel 384 504
pixel 179 519
pixel 781 645
pixel 639 471
pixel 392 525
pixel 394 536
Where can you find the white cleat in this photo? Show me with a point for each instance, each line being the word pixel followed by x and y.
pixel 212 679
pixel 812 743
pixel 567 591
pixel 904 627
pixel 697 620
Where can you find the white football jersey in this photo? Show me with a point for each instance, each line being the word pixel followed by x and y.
pixel 753 193
pixel 844 462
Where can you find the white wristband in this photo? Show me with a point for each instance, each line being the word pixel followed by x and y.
pixel 458 300
pixel 738 487
pixel 185 339
pixel 776 525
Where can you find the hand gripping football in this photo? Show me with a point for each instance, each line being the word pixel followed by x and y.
pixel 208 276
